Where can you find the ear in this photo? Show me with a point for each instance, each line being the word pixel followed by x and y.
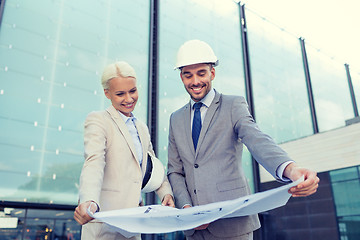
pixel 212 72
pixel 181 76
pixel 107 94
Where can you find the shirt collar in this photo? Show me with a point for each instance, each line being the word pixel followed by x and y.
pixel 206 100
pixel 126 118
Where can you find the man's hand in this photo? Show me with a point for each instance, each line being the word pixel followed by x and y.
pixel 201 227
pixel 168 201
pixel 303 189
pixel 81 215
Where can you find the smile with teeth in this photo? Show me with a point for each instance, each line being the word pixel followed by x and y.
pixel 197 89
pixel 130 105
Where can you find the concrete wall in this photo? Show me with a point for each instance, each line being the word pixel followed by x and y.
pixel 325 151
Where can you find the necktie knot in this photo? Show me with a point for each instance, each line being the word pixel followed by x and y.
pixel 197 105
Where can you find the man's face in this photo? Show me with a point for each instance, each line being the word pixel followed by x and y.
pixel 197 79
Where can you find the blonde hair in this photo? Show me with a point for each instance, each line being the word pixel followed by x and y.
pixel 117 69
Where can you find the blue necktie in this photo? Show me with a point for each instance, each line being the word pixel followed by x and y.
pixel 196 127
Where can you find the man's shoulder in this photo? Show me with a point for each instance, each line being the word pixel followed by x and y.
pixel 181 110
pixel 231 97
pixel 228 99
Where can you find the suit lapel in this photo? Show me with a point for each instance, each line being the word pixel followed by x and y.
pixel 142 135
pixel 187 126
pixel 123 129
pixel 208 118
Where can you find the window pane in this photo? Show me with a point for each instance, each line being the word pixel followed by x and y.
pixel 51 58
pixel 331 90
pixel 344 174
pixel 279 86
pixel 347 195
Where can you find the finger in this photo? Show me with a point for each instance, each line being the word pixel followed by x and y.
pixel 81 216
pixel 309 182
pixel 168 201
pixel 79 219
pixel 304 189
pixel 202 227
pixel 165 201
pixel 304 193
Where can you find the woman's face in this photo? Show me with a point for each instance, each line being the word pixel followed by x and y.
pixel 123 94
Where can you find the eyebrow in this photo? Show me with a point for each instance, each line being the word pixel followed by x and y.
pixel 200 71
pixel 134 88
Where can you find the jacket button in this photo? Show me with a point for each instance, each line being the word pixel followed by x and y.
pixel 195 191
pixel 196 165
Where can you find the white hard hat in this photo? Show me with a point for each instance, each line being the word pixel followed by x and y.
pixel 193 52
pixel 154 174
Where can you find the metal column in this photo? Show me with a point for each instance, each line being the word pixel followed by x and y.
pixel 309 87
pixel 248 84
pixel 352 93
pixel 153 86
pixel 2 6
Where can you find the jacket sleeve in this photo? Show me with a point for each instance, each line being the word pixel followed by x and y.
pixel 92 173
pixel 262 147
pixel 176 173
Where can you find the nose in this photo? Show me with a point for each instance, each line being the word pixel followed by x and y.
pixel 196 80
pixel 128 98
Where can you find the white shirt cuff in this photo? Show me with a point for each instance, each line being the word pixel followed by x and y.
pixel 280 171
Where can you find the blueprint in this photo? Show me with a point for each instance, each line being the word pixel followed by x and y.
pixel 163 219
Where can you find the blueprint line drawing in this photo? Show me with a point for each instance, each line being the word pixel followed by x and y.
pixel 163 219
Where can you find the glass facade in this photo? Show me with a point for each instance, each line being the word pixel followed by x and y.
pixel 279 86
pixel 346 191
pixel 19 223
pixel 51 58
pixel 331 90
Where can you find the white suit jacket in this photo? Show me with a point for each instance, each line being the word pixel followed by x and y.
pixel 111 175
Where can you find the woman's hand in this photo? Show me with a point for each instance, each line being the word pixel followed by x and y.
pixel 81 215
pixel 168 200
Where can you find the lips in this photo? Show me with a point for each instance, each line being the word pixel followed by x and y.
pixel 197 89
pixel 131 105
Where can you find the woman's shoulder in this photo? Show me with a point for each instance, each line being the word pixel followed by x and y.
pixel 97 114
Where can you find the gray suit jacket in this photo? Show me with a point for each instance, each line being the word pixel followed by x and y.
pixel 213 172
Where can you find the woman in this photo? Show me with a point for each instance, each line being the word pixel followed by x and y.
pixel 116 149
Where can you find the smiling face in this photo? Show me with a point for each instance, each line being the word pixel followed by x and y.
pixel 123 94
pixel 197 79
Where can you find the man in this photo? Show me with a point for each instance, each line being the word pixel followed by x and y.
pixel 206 138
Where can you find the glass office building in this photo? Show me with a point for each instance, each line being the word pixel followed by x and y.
pixel 52 54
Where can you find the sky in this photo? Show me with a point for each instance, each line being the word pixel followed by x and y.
pixel 328 25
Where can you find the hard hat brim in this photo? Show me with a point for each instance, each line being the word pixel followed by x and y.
pixel 154 174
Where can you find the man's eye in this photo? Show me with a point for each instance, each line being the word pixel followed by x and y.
pixel 119 94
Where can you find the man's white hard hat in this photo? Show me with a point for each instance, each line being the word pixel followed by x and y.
pixel 194 52
pixel 154 174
